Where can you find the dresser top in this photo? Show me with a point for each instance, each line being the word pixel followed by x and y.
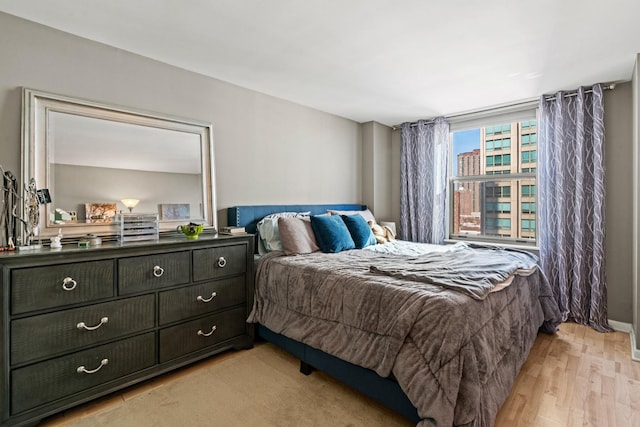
pixel 173 243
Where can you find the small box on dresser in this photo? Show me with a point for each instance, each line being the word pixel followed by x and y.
pixel 81 323
pixel 136 227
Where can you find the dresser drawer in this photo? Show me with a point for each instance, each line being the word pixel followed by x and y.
pixel 53 379
pixel 191 301
pixel 220 261
pixel 198 334
pixel 37 288
pixel 150 272
pixel 54 333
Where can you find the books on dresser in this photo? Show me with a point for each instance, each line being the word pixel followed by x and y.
pixel 232 230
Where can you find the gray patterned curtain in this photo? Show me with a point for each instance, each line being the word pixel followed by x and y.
pixel 571 212
pixel 423 177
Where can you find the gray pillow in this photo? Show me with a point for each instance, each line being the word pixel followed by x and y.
pixel 296 236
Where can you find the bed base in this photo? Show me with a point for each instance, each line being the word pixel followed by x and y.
pixel 385 391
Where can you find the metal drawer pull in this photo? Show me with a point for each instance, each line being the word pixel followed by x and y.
pixel 158 271
pixel 83 370
pixel 202 299
pixel 222 262
pixel 83 325
pixel 213 329
pixel 66 281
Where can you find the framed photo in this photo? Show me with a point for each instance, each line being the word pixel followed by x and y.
pixel 175 211
pixel 44 197
pixel 100 213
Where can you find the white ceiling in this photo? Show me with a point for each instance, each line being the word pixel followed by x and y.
pixel 388 61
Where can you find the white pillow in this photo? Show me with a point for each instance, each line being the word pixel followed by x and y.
pixel 268 231
pixel 366 214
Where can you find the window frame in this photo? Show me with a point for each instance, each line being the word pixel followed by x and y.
pixel 494 118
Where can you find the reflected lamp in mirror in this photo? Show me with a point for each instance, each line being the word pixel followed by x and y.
pixel 130 203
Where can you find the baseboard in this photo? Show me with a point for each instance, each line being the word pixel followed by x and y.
pixel 635 353
pixel 628 328
pixel 621 326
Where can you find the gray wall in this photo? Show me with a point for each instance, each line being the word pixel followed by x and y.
pixel 618 202
pixel 267 150
pixel 377 166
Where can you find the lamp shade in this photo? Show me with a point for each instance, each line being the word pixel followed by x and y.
pixel 130 203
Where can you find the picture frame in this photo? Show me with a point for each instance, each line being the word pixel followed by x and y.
pixel 100 213
pixel 174 211
pixel 44 197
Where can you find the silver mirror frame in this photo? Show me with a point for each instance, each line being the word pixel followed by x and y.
pixel 36 107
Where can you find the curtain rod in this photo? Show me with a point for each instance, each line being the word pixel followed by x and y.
pixel 569 94
pixel 515 106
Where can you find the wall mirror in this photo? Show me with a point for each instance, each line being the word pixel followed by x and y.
pixel 92 156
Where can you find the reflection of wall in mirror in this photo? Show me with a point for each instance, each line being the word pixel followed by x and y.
pixel 70 189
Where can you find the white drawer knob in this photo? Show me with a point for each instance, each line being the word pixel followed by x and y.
pixel 68 284
pixel 158 271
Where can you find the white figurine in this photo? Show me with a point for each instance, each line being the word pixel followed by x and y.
pixel 55 242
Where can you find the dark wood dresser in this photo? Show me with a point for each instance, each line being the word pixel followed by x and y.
pixel 79 323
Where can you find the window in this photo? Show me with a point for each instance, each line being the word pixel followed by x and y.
pixel 528 207
pixel 495 198
pixel 493 207
pixel 529 156
pixel 498 144
pixel 528 191
pixel 528 225
pixel 498 130
pixel 498 223
pixel 499 160
pixel 498 191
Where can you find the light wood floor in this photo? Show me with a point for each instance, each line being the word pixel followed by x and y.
pixel 578 377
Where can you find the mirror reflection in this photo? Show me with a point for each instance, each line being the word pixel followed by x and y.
pixel 98 161
pixel 163 164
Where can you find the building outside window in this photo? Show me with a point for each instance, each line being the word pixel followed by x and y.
pixel 486 205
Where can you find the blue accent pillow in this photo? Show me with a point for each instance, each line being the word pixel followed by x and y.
pixel 360 231
pixel 332 235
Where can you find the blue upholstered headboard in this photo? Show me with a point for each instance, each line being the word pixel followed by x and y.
pixel 248 216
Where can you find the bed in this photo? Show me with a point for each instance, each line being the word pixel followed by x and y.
pixel 378 322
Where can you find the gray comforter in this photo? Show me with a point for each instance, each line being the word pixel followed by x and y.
pixel 470 270
pixel 454 356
